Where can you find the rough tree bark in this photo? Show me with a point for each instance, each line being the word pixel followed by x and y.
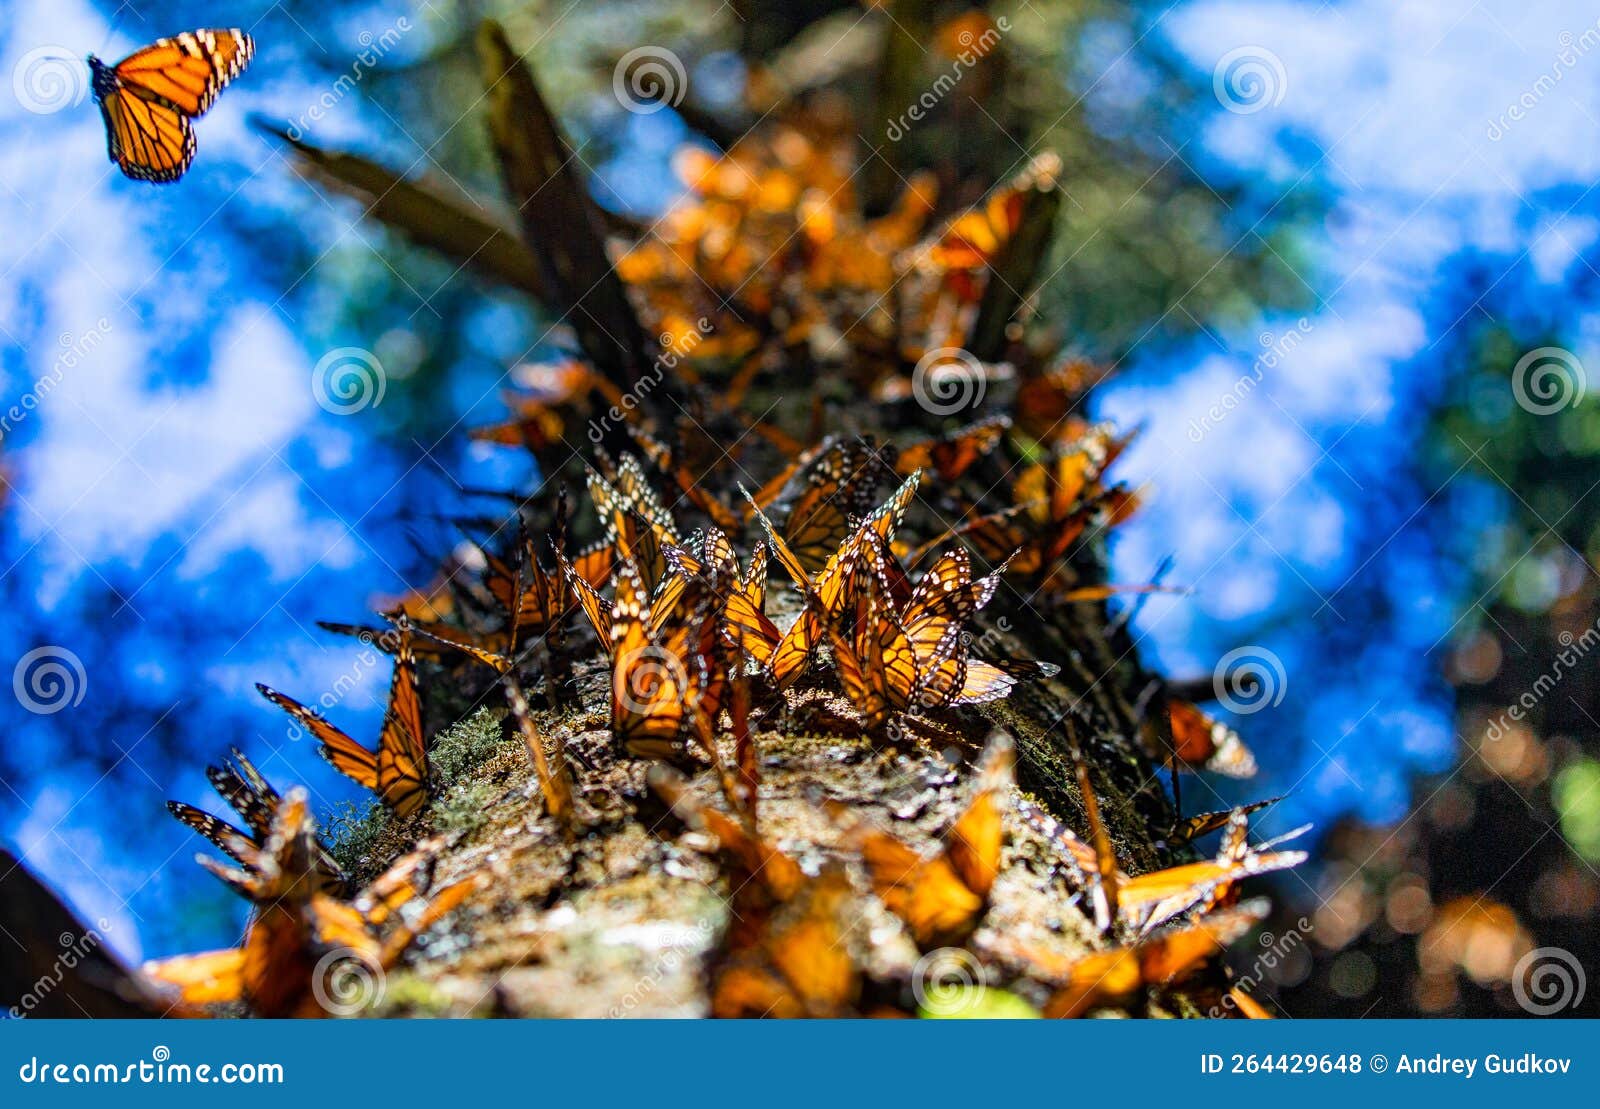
pixel 626 917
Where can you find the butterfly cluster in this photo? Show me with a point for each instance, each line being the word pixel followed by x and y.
pixel 790 635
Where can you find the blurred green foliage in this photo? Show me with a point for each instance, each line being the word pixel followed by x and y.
pixel 1148 249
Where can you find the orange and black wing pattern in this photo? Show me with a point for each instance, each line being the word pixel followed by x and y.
pixel 398 770
pixel 942 899
pixel 950 456
pixel 149 98
pixel 1200 742
pixel 650 681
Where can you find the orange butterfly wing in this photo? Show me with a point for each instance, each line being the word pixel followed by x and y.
pixel 402 758
pixel 148 141
pixel 188 71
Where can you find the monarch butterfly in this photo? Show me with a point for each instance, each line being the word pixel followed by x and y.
pixel 1109 977
pixel 149 98
pixel 760 876
pixel 941 899
pixel 636 522
pixel 1191 828
pixel 1202 743
pixel 837 491
pixel 1145 903
pixel 952 455
pixel 250 795
pixel 650 680
pixel 828 592
pixel 276 970
pixel 398 770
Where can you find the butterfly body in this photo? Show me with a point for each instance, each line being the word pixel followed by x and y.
pixel 150 98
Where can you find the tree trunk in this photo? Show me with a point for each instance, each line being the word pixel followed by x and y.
pixel 600 882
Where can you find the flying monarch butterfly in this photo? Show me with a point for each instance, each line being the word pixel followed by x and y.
pixel 1191 828
pixel 149 98
pixel 398 770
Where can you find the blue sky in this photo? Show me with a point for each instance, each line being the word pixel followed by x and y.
pixel 183 468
